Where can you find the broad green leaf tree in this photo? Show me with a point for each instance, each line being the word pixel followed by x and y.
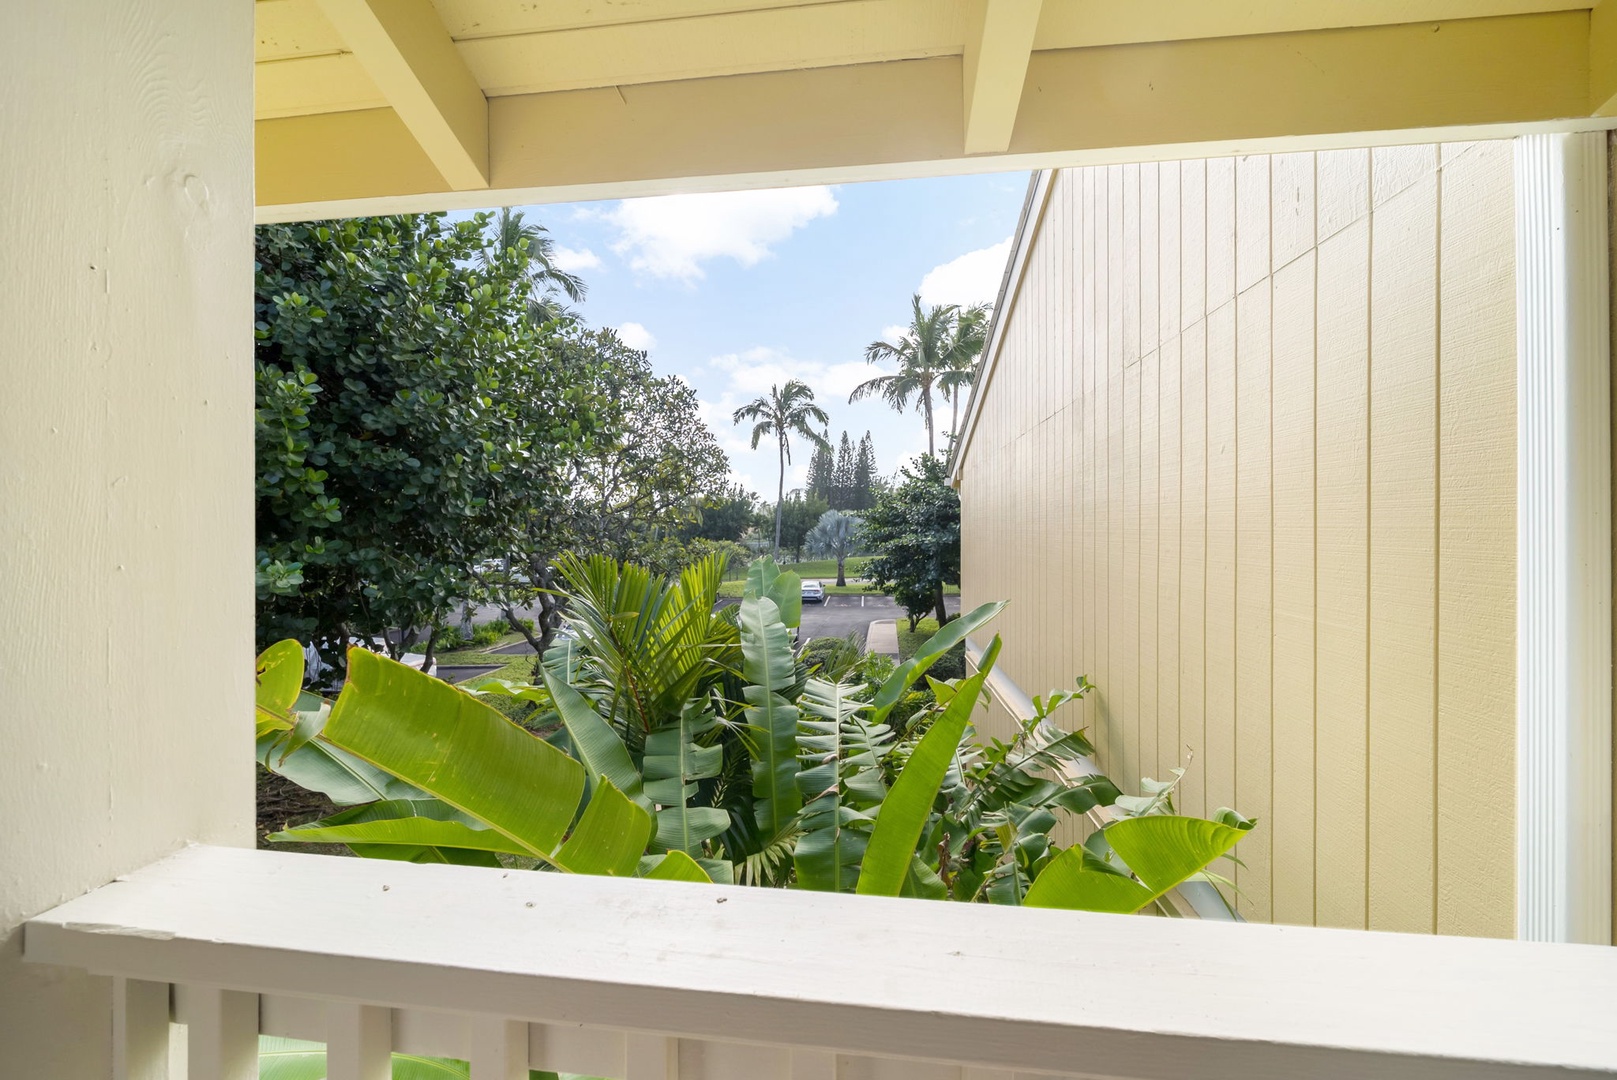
pixel 914 533
pixel 411 418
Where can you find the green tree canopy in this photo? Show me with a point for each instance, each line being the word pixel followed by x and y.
pixel 408 421
pixel 914 531
pixel 799 514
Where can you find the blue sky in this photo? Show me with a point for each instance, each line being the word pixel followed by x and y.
pixel 739 290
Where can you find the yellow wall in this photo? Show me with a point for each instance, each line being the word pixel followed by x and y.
pixel 1247 460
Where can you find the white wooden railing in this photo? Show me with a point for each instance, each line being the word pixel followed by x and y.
pixel 649 980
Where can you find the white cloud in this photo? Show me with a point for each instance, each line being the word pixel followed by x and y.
pixel 754 371
pixel 636 336
pixel 973 278
pixel 894 334
pixel 671 236
pixel 573 260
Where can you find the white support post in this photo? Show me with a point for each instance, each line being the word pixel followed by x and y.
pixel 359 1042
pixel 222 1030
pixel 814 1065
pixel 651 1057
pixel 498 1048
pixel 140 1017
pixel 1563 614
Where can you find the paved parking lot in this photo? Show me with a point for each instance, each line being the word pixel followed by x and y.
pixel 841 615
pixel 837 617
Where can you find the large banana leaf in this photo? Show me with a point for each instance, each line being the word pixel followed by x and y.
pixel 674 866
pixel 299 755
pixel 405 823
pixel 839 775
pixel 1162 851
pixel 471 757
pixel 904 813
pixel 896 685
pixel 596 744
pixel 766 580
pixel 279 681
pixel 674 762
pixel 770 669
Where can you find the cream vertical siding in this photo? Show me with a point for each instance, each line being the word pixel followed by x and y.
pixel 126 472
pixel 1247 459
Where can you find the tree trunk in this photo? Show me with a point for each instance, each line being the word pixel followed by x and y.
pixel 926 408
pixel 937 603
pixel 954 416
pixel 780 496
pixel 842 581
pixel 432 647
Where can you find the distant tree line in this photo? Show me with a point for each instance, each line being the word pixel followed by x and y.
pixel 847 480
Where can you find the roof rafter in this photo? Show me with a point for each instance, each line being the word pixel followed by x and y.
pixel 997 55
pixel 406 51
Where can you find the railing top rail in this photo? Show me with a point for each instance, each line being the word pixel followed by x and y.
pixel 1014 988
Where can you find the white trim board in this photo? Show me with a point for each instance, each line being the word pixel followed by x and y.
pixel 1563 596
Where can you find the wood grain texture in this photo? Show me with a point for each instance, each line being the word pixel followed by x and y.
pixel 1476 689
pixel 1403 558
pixel 1292 815
pixel 1341 834
pixel 1254 763
pixel 1241 535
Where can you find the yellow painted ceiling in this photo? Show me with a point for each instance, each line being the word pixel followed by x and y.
pixel 689 91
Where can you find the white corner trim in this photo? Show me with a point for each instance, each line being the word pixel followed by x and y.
pixel 1199 898
pixel 1563 557
pixel 1027 228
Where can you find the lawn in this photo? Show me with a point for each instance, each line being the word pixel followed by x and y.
pixel 909 642
pixel 518 668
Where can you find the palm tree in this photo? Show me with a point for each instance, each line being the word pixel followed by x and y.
pixel 834 536
pixel 786 411
pixel 922 357
pixel 544 276
pixel 970 335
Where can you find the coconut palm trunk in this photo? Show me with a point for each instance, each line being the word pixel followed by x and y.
pixel 780 496
pixel 926 407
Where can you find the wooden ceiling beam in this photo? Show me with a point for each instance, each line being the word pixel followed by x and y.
pixel 406 51
pixel 997 54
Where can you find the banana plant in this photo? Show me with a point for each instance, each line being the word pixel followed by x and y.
pixel 690 744
pixel 468 762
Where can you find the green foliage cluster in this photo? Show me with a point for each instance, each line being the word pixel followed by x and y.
pixel 846 480
pixel 914 530
pixel 411 417
pixel 692 744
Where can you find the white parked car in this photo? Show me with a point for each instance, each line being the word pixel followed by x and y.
pixel 813 592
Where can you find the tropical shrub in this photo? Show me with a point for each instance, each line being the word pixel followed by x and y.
pixel 691 743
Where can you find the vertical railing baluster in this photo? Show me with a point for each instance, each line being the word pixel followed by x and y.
pixel 359 1042
pixel 499 1048
pixel 814 1065
pixel 652 1057
pixel 222 1034
pixel 140 1017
